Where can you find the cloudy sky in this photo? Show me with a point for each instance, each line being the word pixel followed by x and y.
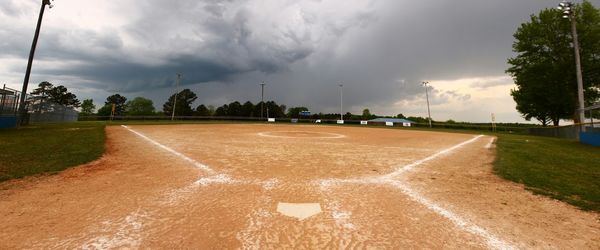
pixel 381 50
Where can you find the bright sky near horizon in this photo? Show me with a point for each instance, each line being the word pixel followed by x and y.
pixel 380 50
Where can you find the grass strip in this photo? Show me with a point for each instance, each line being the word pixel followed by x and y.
pixel 562 169
pixel 48 149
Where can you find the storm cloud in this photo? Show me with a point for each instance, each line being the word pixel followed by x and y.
pixel 379 50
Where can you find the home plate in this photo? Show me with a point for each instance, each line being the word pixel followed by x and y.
pixel 299 211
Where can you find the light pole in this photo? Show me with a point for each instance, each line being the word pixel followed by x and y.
pixel 566 8
pixel 341 101
pixel 427 96
pixel 176 93
pixel 262 100
pixel 22 110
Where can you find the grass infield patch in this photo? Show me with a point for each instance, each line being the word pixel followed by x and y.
pixel 563 169
pixel 47 149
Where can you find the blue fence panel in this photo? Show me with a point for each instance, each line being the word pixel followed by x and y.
pixel 8 121
pixel 590 138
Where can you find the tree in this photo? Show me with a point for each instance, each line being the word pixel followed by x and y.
pixel 40 95
pixel 185 98
pixel 202 110
pixel 87 107
pixel 294 112
pixel 235 109
pixel 400 116
pixel 222 111
pixel 140 106
pixel 274 110
pixel 366 114
pixel 60 95
pixel 248 109
pixel 105 110
pixel 120 104
pixel 544 68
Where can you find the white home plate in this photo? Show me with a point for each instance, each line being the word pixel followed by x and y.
pixel 300 211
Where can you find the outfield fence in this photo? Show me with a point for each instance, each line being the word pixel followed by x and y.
pixel 509 128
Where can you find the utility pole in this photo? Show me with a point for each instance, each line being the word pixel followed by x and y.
pixel 566 8
pixel 22 110
pixel 262 100
pixel 176 93
pixel 341 101
pixel 427 95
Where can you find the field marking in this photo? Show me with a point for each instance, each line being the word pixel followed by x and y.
pixel 491 143
pixel 329 135
pixel 491 240
pixel 411 166
pixel 172 151
pixel 256 219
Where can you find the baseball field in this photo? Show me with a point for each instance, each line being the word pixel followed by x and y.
pixel 269 186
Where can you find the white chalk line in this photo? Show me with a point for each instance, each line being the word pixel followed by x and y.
pixel 491 240
pixel 410 166
pixel 255 221
pixel 327 135
pixel 491 143
pixel 172 151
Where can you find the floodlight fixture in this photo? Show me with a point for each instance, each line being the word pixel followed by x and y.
pixel 427 96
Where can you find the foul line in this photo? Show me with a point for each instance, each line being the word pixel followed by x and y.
pixel 172 151
pixel 491 240
pixel 409 167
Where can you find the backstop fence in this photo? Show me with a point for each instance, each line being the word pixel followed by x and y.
pixel 39 110
pixel 9 106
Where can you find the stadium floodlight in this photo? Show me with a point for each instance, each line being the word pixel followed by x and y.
pixel 568 13
pixel 427 96
pixel 341 101
pixel 262 99
pixel 22 110
pixel 176 94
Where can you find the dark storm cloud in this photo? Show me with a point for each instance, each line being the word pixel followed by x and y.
pixel 380 50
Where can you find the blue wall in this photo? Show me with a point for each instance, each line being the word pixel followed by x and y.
pixel 590 138
pixel 8 121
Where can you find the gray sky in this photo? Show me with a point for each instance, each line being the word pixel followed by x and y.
pixel 380 51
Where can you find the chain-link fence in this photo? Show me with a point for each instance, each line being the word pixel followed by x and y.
pixel 39 110
pixel 9 105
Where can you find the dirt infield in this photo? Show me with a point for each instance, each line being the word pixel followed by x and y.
pixel 219 186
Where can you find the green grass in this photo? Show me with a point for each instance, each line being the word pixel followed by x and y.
pixel 47 149
pixel 563 169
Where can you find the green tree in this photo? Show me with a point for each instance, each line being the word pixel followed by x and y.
pixel 248 109
pixel 294 112
pixel 400 116
pixel 274 110
pixel 202 110
pixel 87 107
pixel 544 70
pixel 235 109
pixel 140 106
pixel 120 104
pixel 60 95
pixel 222 111
pixel 185 98
pixel 105 110
pixel 366 114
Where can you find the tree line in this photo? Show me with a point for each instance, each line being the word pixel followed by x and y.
pixel 119 105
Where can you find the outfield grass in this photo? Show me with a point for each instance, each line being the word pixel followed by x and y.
pixel 42 149
pixel 563 169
